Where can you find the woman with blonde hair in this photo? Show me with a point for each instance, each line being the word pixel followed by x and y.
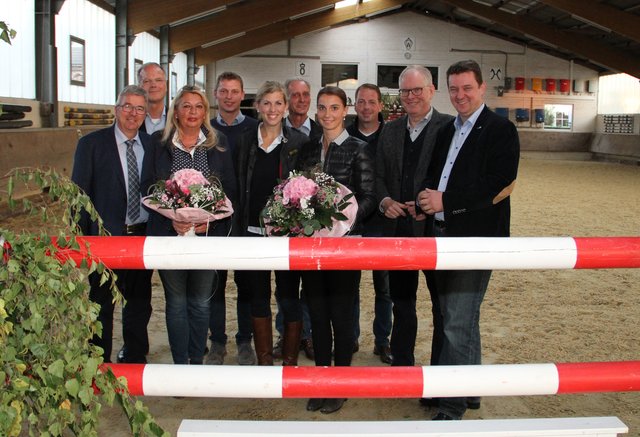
pixel 189 141
pixel 264 156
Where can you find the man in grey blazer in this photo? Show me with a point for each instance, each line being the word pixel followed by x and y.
pixel 404 153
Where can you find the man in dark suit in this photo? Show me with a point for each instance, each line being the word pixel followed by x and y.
pixel 404 152
pixel 473 173
pixel 114 167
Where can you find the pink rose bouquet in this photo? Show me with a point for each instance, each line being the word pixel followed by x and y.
pixel 309 205
pixel 188 196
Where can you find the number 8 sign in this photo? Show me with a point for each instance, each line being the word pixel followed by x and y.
pixel 301 69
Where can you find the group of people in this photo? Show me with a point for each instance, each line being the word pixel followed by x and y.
pixel 425 174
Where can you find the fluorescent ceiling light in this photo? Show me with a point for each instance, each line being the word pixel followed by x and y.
pixel 225 39
pixel 541 41
pixel 196 17
pixel 392 8
pixel 345 3
pixel 474 15
pixel 312 32
pixel 311 12
pixel 591 23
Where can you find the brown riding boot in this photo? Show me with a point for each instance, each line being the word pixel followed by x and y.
pixel 291 343
pixel 263 339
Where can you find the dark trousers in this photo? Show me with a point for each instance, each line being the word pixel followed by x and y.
pixel 288 289
pixel 403 285
pixel 218 315
pixel 331 296
pixel 403 288
pixel 135 286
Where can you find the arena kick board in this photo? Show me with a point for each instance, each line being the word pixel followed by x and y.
pixel 557 427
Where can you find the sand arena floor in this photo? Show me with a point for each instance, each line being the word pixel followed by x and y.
pixel 527 316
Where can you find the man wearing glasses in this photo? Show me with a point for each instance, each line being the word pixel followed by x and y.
pixel 402 159
pixel 114 168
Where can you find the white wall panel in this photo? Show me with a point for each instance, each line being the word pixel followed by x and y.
pixel 179 67
pixel 146 48
pixel 96 27
pixel 18 73
pixel 435 43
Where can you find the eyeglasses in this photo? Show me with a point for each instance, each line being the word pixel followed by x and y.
pixel 415 91
pixel 130 108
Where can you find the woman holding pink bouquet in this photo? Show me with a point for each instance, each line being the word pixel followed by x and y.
pixel 264 156
pixel 331 294
pixel 189 142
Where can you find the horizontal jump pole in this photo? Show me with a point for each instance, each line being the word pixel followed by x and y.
pixel 552 427
pixel 282 253
pixel 378 382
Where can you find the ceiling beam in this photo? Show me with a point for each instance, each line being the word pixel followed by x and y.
pixel 618 21
pixel 145 15
pixel 288 29
pixel 241 18
pixel 616 60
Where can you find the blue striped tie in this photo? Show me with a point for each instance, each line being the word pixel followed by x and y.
pixel 133 196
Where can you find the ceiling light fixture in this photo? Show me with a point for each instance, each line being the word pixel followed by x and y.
pixel 225 39
pixel 311 12
pixel 591 23
pixel 383 11
pixel 197 17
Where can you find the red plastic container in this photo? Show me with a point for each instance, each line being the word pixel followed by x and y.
pixel 550 85
pixel 565 85
pixel 519 83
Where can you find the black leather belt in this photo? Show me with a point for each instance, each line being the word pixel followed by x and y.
pixel 137 229
pixel 440 224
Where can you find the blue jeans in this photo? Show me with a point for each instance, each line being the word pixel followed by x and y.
pixel 460 294
pixel 187 295
pixel 218 314
pixel 383 308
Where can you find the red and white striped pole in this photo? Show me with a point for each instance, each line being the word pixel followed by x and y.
pixel 281 253
pixel 379 382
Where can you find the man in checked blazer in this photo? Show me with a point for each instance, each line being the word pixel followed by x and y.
pixel 404 152
pixel 101 169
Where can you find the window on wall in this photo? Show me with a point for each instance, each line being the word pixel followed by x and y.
pixel 137 64
pixel 558 116
pixel 388 75
pixel 342 75
pixel 77 62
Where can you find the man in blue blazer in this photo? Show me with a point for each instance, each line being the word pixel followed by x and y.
pixel 114 167
pixel 472 174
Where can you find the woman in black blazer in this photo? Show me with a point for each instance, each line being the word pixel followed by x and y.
pixel 264 156
pixel 189 141
pixel 331 295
